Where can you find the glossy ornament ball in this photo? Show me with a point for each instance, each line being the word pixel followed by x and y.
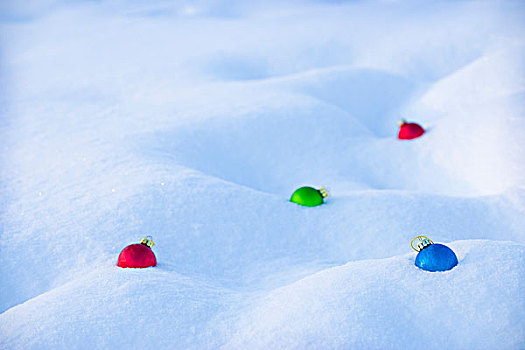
pixel 137 255
pixel 409 131
pixel 309 196
pixel 436 257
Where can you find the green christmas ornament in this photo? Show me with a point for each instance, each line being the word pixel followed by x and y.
pixel 309 196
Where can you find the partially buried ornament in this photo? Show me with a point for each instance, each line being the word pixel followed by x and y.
pixel 409 131
pixel 309 196
pixel 138 255
pixel 433 256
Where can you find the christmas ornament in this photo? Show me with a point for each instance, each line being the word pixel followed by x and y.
pixel 409 131
pixel 309 196
pixel 433 256
pixel 138 255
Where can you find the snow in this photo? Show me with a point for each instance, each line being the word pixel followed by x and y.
pixel 194 122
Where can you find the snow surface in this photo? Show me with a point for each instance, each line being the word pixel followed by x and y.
pixel 194 121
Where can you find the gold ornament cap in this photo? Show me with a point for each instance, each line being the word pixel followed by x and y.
pixel 424 242
pixel 323 192
pixel 147 241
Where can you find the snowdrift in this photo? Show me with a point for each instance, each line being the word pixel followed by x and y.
pixel 194 122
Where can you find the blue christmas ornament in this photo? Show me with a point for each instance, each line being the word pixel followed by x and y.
pixel 433 256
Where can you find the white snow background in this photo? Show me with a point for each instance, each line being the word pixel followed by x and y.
pixel 194 121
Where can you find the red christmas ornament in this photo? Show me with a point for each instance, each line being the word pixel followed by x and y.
pixel 138 255
pixel 409 131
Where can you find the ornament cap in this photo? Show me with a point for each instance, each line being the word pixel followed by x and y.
pixel 402 122
pixel 424 242
pixel 147 241
pixel 323 192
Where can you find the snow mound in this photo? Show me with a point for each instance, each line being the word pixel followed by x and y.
pixel 392 304
pixel 387 302
pixel 116 308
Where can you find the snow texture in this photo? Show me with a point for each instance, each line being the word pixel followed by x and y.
pixel 194 122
